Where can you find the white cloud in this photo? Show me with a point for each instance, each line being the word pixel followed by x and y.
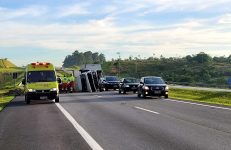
pixel 171 40
pixel 190 36
pixel 226 19
pixel 73 10
pixel 180 5
pixel 30 11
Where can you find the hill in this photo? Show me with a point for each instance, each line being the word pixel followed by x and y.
pixel 6 70
pixel 5 63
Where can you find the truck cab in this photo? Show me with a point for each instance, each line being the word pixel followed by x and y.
pixel 40 82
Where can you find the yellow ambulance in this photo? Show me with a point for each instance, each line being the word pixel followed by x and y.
pixel 40 82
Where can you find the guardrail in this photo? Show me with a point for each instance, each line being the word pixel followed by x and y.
pixel 201 85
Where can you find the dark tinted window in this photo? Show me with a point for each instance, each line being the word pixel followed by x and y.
pixel 41 76
pixel 153 81
pixel 130 80
pixel 111 78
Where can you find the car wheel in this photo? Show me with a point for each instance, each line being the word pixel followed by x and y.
pixel 27 99
pixel 143 95
pixel 138 94
pixel 166 96
pixel 106 89
pixel 57 100
pixel 119 91
pixel 124 92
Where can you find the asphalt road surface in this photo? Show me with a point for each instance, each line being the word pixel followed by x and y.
pixel 115 122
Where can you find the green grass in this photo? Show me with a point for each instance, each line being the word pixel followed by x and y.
pixel 4 99
pixel 7 82
pixel 5 63
pixel 210 97
pixel 73 68
pixel 10 70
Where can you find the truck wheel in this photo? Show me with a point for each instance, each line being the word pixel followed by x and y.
pixel 27 99
pixel 57 100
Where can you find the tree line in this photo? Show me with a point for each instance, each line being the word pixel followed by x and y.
pixel 191 69
pixel 79 58
pixel 200 68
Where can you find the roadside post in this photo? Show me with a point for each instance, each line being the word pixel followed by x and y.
pixel 15 76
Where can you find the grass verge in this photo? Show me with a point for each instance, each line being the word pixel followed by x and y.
pixel 4 99
pixel 210 97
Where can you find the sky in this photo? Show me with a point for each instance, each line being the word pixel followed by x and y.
pixel 49 30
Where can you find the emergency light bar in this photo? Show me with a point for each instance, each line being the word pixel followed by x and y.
pixel 40 64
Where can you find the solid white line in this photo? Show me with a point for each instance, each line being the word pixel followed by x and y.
pixel 91 142
pixel 146 110
pixel 198 104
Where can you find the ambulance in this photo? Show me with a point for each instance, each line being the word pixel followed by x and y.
pixel 40 82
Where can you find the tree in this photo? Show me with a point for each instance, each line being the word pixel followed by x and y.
pixel 102 58
pixel 88 57
pixel 78 58
pixel 202 58
pixel 95 57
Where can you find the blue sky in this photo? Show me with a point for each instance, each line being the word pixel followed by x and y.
pixel 48 30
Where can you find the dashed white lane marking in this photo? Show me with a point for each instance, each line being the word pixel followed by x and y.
pixel 140 108
pixel 98 96
pixel 198 104
pixel 91 142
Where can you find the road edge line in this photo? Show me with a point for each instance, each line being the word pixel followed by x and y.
pixel 198 104
pixel 91 142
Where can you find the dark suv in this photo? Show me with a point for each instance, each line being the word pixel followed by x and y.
pixel 152 86
pixel 128 84
pixel 109 82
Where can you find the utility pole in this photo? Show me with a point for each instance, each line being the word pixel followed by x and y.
pixel 118 53
pixel 139 59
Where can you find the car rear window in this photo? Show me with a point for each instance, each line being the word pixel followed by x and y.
pixel 153 81
pixel 111 78
pixel 130 80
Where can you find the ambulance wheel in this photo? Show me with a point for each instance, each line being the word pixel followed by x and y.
pixel 27 99
pixel 57 100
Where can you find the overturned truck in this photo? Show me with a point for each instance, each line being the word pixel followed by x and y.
pixel 88 78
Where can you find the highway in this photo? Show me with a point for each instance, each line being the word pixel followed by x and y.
pixel 114 122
